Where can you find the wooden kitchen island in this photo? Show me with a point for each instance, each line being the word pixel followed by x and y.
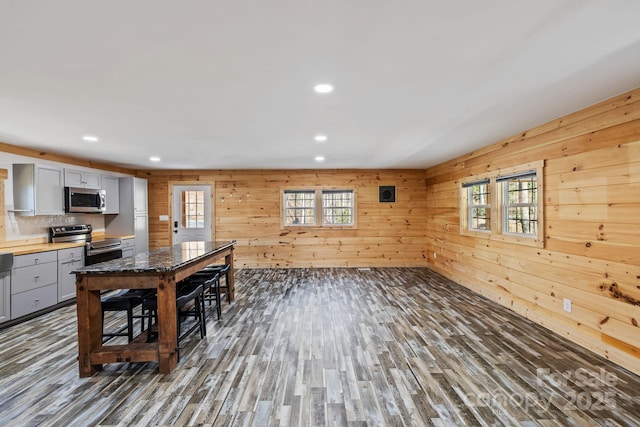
pixel 159 269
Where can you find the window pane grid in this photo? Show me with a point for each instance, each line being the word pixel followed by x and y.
pixel 318 207
pixel 522 221
pixel 521 213
pixel 337 207
pixel 300 207
pixel 479 207
pixel 193 209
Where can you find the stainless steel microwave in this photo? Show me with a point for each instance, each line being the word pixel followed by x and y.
pixel 84 200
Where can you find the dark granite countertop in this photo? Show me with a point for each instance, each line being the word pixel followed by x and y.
pixel 158 260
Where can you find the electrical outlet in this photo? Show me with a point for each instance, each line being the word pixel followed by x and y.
pixel 566 302
pixel 435 255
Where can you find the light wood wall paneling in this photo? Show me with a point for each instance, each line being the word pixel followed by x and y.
pixel 592 228
pixel 379 239
pixel 584 123
pixel 620 134
pixel 610 155
pixel 511 273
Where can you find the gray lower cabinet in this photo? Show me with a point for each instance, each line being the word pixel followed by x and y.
pixel 34 283
pixel 68 260
pixel 31 301
pixel 5 296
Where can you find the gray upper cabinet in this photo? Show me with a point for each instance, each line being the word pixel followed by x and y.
pixel 37 190
pixel 82 179
pixel 112 190
pixel 140 204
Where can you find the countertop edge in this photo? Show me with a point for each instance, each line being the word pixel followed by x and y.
pixel 40 247
pixel 134 269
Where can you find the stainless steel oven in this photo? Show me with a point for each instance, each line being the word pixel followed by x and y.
pixel 102 250
pixel 95 251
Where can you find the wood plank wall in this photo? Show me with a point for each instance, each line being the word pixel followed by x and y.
pixel 592 229
pixel 387 234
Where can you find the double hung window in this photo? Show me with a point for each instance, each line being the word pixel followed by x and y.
pixel 520 203
pixel 505 205
pixel 337 207
pixel 318 207
pixel 479 209
pixel 299 207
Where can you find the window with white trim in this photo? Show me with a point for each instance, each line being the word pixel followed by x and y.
pixel 319 207
pixel 337 207
pixel 300 207
pixel 478 205
pixel 519 203
pixel 504 205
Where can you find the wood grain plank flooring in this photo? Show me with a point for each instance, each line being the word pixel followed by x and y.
pixel 335 347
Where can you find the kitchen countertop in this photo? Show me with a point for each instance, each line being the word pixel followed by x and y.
pixel 158 260
pixel 40 247
pixel 35 248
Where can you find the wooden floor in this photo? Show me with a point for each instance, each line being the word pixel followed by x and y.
pixel 327 347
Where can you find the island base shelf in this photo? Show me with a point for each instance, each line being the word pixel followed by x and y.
pixel 131 353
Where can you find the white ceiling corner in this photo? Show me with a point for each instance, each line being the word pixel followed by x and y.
pixel 228 85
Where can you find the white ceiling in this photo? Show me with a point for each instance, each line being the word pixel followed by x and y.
pixel 228 84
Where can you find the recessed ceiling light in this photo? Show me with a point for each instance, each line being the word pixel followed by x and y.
pixel 319 158
pixel 154 158
pixel 320 138
pixel 90 138
pixel 323 88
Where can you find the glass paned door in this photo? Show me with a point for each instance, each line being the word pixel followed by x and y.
pixel 191 219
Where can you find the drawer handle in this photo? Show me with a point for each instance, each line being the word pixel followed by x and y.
pixel 36 278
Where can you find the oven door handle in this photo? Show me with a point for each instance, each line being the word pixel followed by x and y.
pixel 104 251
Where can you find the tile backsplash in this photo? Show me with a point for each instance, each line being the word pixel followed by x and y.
pixel 30 227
